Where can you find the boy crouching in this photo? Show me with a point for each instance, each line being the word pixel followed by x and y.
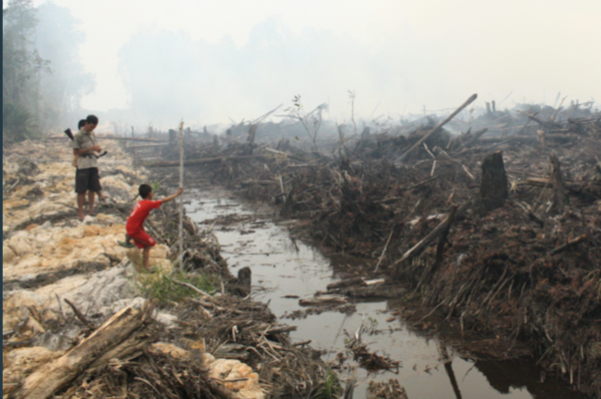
pixel 135 222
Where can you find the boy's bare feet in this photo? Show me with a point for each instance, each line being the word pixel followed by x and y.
pixel 150 269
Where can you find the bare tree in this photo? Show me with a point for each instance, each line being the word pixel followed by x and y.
pixel 311 121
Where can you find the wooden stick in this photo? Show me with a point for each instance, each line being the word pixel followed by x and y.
pixel 568 244
pixel 384 250
pixel 443 236
pixel 134 151
pixel 80 315
pixel 424 242
pixel 181 199
pixel 440 125
pixel 282 188
pixel 198 290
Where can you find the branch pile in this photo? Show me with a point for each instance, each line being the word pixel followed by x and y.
pixel 518 257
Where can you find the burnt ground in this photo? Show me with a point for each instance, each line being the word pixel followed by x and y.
pixel 526 271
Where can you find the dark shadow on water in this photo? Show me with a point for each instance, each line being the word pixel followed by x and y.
pixel 505 375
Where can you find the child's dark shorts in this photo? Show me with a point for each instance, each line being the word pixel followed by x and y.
pixel 87 179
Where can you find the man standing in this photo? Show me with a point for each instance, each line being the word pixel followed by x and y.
pixel 86 178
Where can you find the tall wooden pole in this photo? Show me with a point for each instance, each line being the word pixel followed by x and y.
pixel 181 199
pixel 133 139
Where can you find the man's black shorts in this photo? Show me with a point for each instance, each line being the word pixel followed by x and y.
pixel 87 179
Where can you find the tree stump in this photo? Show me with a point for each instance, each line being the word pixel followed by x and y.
pixel 245 279
pixel 493 189
pixel 560 198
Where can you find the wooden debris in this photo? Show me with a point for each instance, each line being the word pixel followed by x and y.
pixel 51 377
pixel 323 300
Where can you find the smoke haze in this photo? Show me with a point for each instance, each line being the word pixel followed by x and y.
pixel 160 61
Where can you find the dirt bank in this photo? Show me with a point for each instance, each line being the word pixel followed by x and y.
pixel 73 296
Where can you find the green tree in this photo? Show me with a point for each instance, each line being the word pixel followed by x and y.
pixel 22 67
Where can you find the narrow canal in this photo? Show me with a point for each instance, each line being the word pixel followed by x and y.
pixel 283 266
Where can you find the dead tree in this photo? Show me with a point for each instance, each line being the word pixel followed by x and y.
pixel 493 189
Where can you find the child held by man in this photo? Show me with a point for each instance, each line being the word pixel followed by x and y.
pixel 135 223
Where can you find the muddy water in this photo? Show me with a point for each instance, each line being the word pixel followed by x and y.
pixel 284 266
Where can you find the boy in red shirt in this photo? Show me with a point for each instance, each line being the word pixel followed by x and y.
pixel 135 222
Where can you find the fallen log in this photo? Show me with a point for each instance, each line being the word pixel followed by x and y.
pixel 284 328
pixel 427 240
pixel 200 161
pixel 439 126
pixel 50 378
pixel 374 291
pixel 323 300
pixel 346 283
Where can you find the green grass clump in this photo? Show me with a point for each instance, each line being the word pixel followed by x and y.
pixel 331 387
pixel 161 286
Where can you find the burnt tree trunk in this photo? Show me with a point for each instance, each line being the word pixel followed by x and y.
pixel 560 198
pixel 493 189
pixel 252 131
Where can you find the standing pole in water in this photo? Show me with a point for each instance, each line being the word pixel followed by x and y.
pixel 181 199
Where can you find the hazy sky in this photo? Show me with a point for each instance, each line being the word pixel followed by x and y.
pixel 533 48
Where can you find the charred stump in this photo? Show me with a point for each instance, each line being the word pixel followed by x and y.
pixel 493 189
pixel 560 198
pixel 245 279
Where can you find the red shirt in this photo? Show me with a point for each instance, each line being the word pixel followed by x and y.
pixel 138 215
